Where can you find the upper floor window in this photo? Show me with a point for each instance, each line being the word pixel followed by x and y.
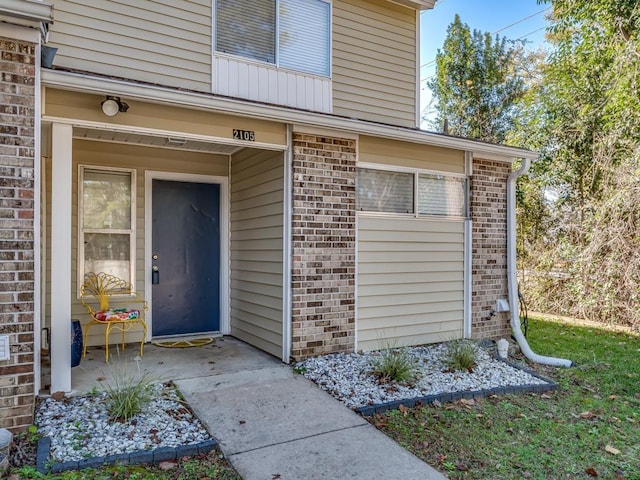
pixel 293 34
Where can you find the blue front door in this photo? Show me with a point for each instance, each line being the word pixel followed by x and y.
pixel 185 258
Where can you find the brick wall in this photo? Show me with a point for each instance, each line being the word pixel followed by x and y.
pixel 17 80
pixel 323 245
pixel 489 247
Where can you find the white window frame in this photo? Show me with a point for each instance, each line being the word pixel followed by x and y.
pixel 82 231
pixel 416 172
pixel 276 64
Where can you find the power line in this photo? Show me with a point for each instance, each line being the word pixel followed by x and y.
pixel 431 62
pixel 520 38
pixel 521 20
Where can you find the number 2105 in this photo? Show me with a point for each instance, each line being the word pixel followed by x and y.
pixel 246 135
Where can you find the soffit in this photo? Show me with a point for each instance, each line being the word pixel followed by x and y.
pixel 175 143
pixel 417 4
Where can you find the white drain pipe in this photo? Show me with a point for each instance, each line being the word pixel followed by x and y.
pixel 512 277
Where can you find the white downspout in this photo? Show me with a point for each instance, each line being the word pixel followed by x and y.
pixel 511 273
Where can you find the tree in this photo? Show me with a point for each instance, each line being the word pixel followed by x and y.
pixel 477 84
pixel 585 120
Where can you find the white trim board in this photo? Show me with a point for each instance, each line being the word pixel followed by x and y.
pixel 225 296
pixel 203 101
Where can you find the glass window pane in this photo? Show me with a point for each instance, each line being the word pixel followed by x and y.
pixel 247 28
pixel 107 199
pixel 442 195
pixel 382 191
pixel 304 35
pixel 108 253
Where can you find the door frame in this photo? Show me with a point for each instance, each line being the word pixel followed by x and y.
pixel 149 176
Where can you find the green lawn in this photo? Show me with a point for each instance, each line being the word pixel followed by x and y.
pixel 204 467
pixel 589 427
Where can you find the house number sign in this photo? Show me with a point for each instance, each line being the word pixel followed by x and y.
pixel 246 135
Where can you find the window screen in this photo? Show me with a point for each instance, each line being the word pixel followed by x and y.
pixel 441 195
pixel 304 35
pixel 383 191
pixel 247 28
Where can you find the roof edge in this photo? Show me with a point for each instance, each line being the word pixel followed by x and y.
pixel 203 101
pixel 29 10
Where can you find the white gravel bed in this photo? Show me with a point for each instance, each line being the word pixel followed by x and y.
pixel 79 427
pixel 347 376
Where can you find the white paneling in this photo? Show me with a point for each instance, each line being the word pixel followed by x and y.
pixel 266 83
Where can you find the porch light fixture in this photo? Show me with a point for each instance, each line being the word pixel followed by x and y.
pixel 112 105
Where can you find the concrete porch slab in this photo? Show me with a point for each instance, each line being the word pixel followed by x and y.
pixel 225 356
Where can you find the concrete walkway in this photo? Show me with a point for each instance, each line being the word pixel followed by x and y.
pixel 273 424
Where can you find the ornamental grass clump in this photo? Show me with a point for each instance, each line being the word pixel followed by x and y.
pixel 461 355
pixel 395 365
pixel 129 393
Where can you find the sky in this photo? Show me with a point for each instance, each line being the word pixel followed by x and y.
pixel 506 17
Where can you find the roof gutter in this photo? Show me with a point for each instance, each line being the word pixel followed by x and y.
pixel 28 10
pixel 208 102
pixel 512 274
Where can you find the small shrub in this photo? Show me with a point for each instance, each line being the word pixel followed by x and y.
pixel 395 365
pixel 129 393
pixel 462 355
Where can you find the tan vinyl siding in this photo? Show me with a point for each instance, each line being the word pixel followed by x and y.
pixel 166 42
pixel 66 104
pixel 411 155
pixel 129 157
pixel 410 281
pixel 374 61
pixel 257 194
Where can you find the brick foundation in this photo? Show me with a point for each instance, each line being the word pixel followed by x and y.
pixel 489 247
pixel 17 70
pixel 323 246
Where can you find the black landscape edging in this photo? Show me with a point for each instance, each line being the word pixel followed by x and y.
pixel 370 410
pixel 137 457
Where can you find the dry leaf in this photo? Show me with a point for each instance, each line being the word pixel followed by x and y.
pixel 545 396
pixel 467 403
pixel 436 404
pixel 612 450
pixel 612 397
pixel 591 471
pixel 587 415
pixel 168 465
pixel 403 409
pixel 57 396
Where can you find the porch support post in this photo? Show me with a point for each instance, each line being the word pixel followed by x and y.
pixel 61 177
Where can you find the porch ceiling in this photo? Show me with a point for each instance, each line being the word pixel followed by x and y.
pixel 175 143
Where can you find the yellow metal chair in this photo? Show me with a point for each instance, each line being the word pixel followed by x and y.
pixel 101 288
